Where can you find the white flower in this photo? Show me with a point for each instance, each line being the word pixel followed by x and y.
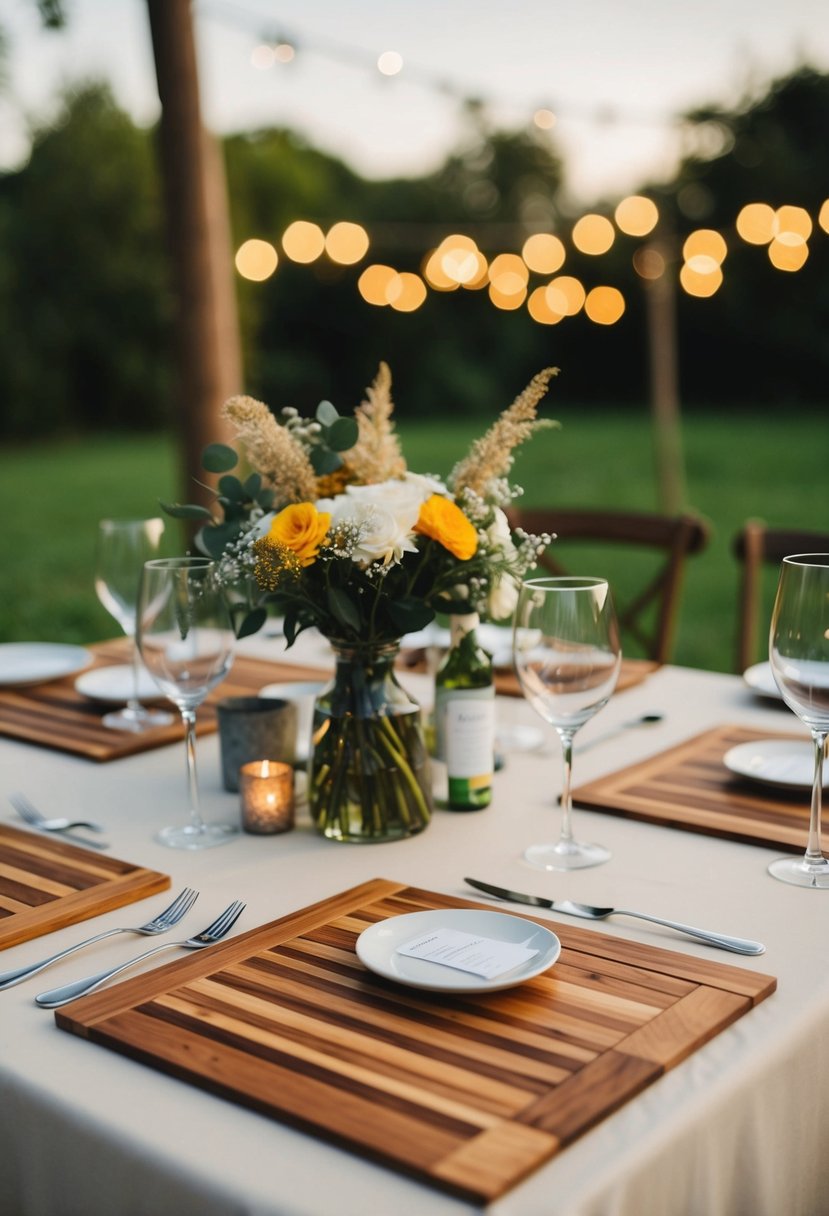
pixel 384 514
pixel 503 591
pixel 502 598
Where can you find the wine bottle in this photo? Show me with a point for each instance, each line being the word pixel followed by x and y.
pixel 465 717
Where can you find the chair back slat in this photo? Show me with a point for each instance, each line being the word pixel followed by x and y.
pixel 675 538
pixel 757 546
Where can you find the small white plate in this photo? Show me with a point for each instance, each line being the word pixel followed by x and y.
pixel 761 681
pixel 24 663
pixel 377 949
pixel 114 686
pixel 776 762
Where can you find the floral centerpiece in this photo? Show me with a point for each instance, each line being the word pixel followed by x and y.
pixel 332 528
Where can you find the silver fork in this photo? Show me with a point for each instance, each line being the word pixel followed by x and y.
pixel 27 811
pixel 213 933
pixel 165 920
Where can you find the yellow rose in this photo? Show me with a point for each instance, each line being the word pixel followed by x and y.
pixel 302 529
pixel 446 523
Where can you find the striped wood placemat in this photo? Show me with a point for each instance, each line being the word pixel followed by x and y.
pixel 55 715
pixel 46 884
pixel 470 1093
pixel 688 786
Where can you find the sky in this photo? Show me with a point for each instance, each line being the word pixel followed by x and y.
pixel 616 73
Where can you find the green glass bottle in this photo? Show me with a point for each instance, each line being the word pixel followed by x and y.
pixel 465 717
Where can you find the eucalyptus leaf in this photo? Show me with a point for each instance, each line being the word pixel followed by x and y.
pixel 253 485
pixel 327 413
pixel 179 510
pixel 215 539
pixel 343 434
pixel 218 458
pixel 232 488
pixel 323 460
pixel 343 608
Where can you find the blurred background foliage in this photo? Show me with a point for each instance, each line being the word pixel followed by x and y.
pixel 88 303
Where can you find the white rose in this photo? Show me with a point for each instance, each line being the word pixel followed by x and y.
pixel 385 515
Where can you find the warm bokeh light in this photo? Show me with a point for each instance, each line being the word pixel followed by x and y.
pixel 636 215
pixel 697 284
pixel 706 249
pixel 604 305
pixel 648 263
pixel 435 275
pixel 481 276
pixel 544 119
pixel 593 234
pixel 792 225
pixel 508 275
pixel 540 310
pixel 374 283
pixel 460 259
pixel 755 223
pixel 390 63
pixel 346 243
pixel 262 56
pixel 507 300
pixel 283 52
pixel 565 295
pixel 823 217
pixel 256 260
pixel 406 291
pixel 303 241
pixel 785 256
pixel 543 253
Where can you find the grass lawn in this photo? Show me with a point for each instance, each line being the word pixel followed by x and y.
pixel 737 466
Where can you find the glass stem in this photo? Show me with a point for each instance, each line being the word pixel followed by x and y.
pixel 133 703
pixel 814 853
pixel 188 717
pixel 566 737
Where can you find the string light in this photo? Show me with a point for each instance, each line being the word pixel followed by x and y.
pixel 458 261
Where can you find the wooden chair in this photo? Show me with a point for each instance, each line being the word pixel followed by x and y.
pixel 758 548
pixel 648 611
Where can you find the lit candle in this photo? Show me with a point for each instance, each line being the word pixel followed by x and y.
pixel 266 790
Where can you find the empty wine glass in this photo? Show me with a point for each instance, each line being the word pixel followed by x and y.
pixel 185 636
pixel 567 658
pixel 122 548
pixel 799 654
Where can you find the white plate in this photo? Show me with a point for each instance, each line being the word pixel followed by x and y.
pixel 761 681
pixel 377 949
pixel 776 762
pixel 113 685
pixel 36 662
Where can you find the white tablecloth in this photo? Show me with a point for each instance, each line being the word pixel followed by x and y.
pixel 742 1126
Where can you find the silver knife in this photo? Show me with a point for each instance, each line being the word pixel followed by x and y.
pixel 739 945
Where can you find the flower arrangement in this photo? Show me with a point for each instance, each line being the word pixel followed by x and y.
pixel 333 528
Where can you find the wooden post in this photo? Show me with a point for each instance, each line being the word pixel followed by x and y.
pixel 198 228
pixel 660 303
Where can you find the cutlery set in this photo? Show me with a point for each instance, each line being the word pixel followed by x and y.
pixel 162 923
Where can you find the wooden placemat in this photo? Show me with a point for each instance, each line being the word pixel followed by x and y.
pixel 633 672
pixel 688 786
pixel 470 1093
pixel 46 884
pixel 55 715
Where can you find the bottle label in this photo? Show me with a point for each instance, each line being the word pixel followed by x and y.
pixel 469 734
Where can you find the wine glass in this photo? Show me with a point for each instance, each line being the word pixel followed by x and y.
pixel 567 658
pixel 799 654
pixel 185 637
pixel 122 548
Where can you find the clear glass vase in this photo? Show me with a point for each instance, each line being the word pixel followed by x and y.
pixel 369 775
